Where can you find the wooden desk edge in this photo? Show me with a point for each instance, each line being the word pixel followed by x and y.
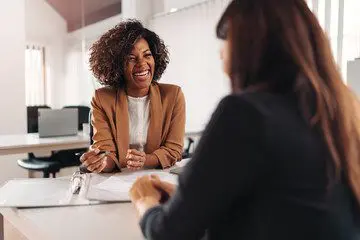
pixel 13 216
pixel 29 230
pixel 45 147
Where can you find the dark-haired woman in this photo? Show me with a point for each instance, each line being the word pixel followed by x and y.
pixel 280 158
pixel 137 122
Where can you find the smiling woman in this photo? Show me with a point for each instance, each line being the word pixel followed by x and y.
pixel 139 76
pixel 137 121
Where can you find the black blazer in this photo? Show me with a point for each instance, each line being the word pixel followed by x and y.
pixel 259 172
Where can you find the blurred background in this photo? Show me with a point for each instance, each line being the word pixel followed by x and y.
pixel 45 50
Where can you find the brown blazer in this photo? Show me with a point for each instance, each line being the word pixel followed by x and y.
pixel 165 139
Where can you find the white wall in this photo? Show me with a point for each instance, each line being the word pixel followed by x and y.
pixel 12 68
pixel 141 10
pixel 12 72
pixel 195 63
pixel 45 27
pixel 169 4
pixel 32 22
pixel 79 81
pixel 158 6
pixel 92 32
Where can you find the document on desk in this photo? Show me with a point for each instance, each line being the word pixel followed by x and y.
pixel 116 188
pixel 49 192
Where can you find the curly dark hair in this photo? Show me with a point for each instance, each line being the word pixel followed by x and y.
pixel 107 55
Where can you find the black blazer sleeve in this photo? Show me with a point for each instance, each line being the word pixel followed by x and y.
pixel 226 166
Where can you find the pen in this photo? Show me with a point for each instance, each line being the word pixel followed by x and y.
pixel 101 152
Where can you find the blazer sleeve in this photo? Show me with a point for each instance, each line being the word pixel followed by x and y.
pixel 225 167
pixel 171 150
pixel 103 138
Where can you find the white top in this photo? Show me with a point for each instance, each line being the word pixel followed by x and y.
pixel 138 121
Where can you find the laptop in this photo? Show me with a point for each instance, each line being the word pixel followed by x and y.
pixel 58 122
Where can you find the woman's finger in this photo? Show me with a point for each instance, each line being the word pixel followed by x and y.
pixel 143 189
pixel 164 186
pixel 154 177
pixel 135 158
pixel 134 195
pixel 95 166
pixel 89 154
pixel 136 152
pixel 103 166
pixel 90 161
pixel 135 164
pixel 134 168
pixel 93 159
pixel 148 189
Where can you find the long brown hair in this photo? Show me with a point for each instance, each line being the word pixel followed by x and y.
pixel 280 43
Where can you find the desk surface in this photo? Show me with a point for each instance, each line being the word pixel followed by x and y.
pixel 108 221
pixel 24 143
pixel 31 142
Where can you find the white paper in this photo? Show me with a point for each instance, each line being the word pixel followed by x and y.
pixel 122 183
pixel 43 192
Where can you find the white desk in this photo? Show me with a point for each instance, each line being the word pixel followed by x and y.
pixel 25 143
pixel 109 221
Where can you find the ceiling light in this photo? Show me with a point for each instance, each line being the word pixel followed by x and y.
pixel 173 10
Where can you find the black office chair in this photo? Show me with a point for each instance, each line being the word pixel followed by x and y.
pixel 187 151
pixel 67 158
pixel 57 160
pixel 91 132
pixel 47 165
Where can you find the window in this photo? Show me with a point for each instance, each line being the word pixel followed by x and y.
pixel 351 36
pixel 341 21
pixel 35 81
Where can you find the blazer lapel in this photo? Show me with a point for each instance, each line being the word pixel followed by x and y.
pixel 153 141
pixel 122 125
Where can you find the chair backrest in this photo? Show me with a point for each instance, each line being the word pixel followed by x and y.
pixel 91 132
pixel 83 112
pixel 32 118
pixel 186 153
